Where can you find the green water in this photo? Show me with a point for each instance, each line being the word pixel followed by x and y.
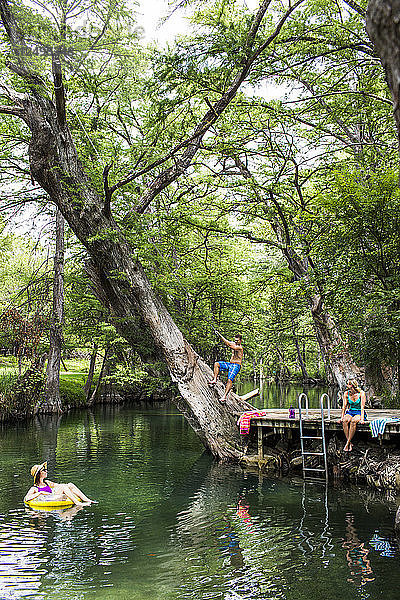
pixel 284 395
pixel 172 524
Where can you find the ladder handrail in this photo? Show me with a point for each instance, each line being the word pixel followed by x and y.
pixel 300 398
pixel 323 397
pixel 321 404
pixel 300 405
pixel 328 404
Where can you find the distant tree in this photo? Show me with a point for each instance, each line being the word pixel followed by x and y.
pixel 52 400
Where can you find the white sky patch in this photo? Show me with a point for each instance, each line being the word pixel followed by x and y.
pixel 152 16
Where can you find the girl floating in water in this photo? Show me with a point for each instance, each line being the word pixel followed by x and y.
pixel 42 488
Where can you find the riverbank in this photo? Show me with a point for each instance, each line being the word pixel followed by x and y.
pixel 369 463
pixel 21 395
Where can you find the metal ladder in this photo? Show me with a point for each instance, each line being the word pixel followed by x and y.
pixel 314 473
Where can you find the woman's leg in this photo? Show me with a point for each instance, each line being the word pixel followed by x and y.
pixel 75 490
pixel 352 430
pixel 63 488
pixel 346 427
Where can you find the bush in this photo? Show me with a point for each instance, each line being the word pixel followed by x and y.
pixel 7 381
pixel 71 392
pixel 23 393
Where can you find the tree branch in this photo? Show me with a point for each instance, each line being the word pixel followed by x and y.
pixel 107 193
pixel 59 91
pixel 277 30
pixel 230 233
pixel 193 143
pixel 340 93
pixel 16 111
pixel 356 7
pixel 20 49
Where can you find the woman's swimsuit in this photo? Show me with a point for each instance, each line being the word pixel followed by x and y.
pixel 46 488
pixel 354 407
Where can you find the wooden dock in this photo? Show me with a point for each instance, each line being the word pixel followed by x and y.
pixel 277 421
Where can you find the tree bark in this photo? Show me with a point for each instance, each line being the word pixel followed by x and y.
pixel 88 384
pixel 52 402
pixel 383 27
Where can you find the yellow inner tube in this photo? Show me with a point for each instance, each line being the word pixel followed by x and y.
pixel 50 503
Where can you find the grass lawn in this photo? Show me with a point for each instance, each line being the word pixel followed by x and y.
pixel 71 381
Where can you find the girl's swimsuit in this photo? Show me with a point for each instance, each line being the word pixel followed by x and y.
pixel 354 407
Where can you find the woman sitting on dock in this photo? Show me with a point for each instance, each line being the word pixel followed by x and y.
pixel 59 491
pixel 353 411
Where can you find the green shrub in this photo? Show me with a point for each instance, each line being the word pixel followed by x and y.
pixel 7 380
pixel 71 392
pixel 22 394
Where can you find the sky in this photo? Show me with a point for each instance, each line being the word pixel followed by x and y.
pixel 151 15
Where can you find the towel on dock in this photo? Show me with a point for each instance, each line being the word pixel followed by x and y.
pixel 377 426
pixel 245 418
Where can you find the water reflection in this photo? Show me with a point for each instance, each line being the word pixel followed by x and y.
pixel 21 560
pixel 172 524
pixel 273 395
pixel 66 514
pixel 356 555
pixel 243 511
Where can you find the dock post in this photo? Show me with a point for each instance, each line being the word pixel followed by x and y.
pixel 260 443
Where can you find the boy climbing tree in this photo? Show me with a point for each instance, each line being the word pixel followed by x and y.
pixel 233 367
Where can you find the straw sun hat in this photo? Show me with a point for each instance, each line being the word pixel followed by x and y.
pixel 36 468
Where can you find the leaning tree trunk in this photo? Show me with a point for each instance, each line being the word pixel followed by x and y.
pixel 52 401
pixel 214 424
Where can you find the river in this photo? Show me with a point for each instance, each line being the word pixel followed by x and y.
pixel 172 524
pixel 272 395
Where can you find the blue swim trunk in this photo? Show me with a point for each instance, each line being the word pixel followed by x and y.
pixel 355 411
pixel 232 368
